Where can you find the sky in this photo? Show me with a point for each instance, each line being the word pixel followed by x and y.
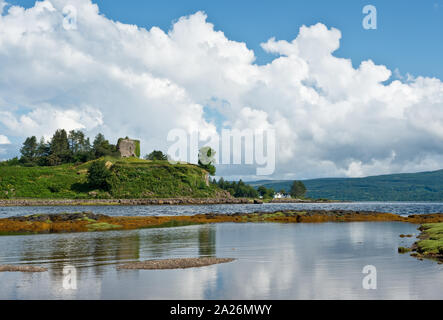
pixel 343 100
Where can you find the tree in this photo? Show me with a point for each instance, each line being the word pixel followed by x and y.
pixel 156 155
pixel 101 147
pixel 298 189
pixel 221 183
pixel 98 175
pixel 270 193
pixel 206 159
pixel 43 148
pixel 59 148
pixel 78 142
pixel 262 191
pixel 79 146
pixel 237 189
pixel 29 150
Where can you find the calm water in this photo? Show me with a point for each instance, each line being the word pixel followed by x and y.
pixel 275 261
pixel 402 208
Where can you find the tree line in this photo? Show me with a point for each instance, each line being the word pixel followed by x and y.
pixel 237 189
pixel 64 147
pixel 242 190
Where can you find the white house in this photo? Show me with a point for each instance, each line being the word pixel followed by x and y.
pixel 279 195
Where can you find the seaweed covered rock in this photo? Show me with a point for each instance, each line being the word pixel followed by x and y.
pixel 59 217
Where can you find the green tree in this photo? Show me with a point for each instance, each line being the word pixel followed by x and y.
pixel 206 159
pixel 101 147
pixel 156 155
pixel 29 150
pixel 43 151
pixel 221 183
pixel 262 191
pixel 98 175
pixel 298 189
pixel 237 189
pixel 59 148
pixel 80 146
pixel 270 193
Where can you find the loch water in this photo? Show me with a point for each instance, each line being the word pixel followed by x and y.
pixel 273 261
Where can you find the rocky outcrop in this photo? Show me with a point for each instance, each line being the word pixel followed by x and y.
pixel 59 217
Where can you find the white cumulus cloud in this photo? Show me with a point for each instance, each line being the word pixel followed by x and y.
pixel 331 119
pixel 4 140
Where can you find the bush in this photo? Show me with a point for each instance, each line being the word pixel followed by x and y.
pixel 55 188
pixel 98 175
pixel 156 155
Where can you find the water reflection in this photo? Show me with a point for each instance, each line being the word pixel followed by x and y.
pixel 274 261
pixel 206 241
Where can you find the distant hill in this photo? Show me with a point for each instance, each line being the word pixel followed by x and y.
pixel 423 186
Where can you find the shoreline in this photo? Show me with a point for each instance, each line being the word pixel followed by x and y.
pixel 429 244
pixel 144 202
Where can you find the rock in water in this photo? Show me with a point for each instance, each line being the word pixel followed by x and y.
pixel 9 268
pixel 174 263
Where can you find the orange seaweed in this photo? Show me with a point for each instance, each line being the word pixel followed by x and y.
pixel 8 226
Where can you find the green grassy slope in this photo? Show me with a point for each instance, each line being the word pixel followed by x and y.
pixel 423 186
pixel 132 178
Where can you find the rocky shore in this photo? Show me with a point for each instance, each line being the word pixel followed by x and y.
pixel 144 202
pixel 122 202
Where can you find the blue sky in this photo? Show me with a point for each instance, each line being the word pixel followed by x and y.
pixel 409 35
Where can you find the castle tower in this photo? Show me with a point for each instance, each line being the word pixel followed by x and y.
pixel 128 148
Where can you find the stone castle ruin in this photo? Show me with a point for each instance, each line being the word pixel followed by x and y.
pixel 128 148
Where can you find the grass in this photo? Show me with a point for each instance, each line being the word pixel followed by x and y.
pixel 131 178
pixel 403 250
pixel 87 219
pixel 433 239
pixel 173 224
pixel 102 226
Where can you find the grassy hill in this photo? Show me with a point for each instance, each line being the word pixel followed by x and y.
pixel 423 186
pixel 131 178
